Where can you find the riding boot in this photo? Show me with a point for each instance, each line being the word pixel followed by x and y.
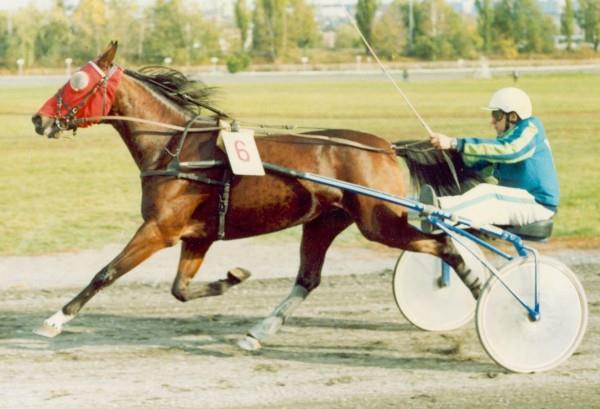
pixel 428 196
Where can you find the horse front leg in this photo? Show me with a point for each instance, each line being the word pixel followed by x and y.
pixel 317 236
pixel 192 256
pixel 147 240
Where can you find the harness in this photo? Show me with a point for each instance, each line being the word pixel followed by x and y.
pixel 189 170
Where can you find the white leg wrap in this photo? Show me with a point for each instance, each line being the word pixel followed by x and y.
pixel 53 325
pixel 58 319
pixel 275 320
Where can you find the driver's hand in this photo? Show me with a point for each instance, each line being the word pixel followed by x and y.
pixel 441 141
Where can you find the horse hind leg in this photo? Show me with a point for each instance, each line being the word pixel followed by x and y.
pixel 147 240
pixel 444 248
pixel 317 236
pixel 192 256
pixel 384 225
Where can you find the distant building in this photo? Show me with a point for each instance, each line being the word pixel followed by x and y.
pixel 331 13
pixel 465 7
pixel 219 11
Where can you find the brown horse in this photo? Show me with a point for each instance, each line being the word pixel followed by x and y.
pixel 188 205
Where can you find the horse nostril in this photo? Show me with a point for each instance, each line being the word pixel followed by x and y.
pixel 37 120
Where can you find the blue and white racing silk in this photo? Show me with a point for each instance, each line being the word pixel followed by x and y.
pixel 521 161
pixel 521 157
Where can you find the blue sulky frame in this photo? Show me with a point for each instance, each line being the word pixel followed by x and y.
pixel 440 218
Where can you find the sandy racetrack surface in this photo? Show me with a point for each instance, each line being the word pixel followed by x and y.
pixel 347 346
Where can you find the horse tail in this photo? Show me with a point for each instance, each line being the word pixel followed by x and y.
pixel 445 171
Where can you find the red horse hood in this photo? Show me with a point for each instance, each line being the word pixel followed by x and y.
pixel 80 91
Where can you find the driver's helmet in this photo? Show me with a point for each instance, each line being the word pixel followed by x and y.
pixel 511 99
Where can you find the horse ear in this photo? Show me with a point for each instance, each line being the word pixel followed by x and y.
pixel 106 58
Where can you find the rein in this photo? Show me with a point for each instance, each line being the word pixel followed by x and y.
pixel 409 147
pixel 185 170
pixel 149 122
pixel 187 129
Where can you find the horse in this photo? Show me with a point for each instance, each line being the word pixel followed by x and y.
pixel 197 206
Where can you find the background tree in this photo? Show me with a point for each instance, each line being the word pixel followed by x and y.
pixel 269 28
pixel 280 27
pixel 180 33
pixel 567 23
pixel 242 21
pixel 23 30
pixel 441 33
pixel 261 42
pixel 589 20
pixel 90 29
pixel 485 23
pixel 165 36
pixel 125 19
pixel 390 31
pixel 302 28
pixel 346 37
pixel 53 41
pixel 365 15
pixel 521 24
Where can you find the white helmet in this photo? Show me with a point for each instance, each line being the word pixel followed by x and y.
pixel 511 99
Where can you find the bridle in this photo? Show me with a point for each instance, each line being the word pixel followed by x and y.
pixel 69 120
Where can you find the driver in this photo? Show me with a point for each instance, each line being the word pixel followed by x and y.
pixel 519 158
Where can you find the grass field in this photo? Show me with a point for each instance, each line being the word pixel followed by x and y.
pixel 84 192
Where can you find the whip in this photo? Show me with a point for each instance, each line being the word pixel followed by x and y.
pixel 385 71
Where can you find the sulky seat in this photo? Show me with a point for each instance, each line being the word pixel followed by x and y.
pixel 538 231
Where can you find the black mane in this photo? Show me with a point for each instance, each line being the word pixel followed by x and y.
pixel 186 93
pixel 445 171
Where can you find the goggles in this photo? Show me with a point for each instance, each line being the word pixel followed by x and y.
pixel 497 115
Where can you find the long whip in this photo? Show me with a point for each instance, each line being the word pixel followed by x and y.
pixel 385 71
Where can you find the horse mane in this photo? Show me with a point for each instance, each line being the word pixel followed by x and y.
pixel 445 171
pixel 186 93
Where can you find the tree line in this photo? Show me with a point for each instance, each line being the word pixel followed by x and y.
pixel 175 32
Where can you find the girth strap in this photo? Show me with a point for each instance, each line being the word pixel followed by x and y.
pixel 181 175
pixel 224 203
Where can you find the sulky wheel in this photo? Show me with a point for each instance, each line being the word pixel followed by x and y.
pixel 508 335
pixel 424 301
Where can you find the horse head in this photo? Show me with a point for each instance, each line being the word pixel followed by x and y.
pixel 88 94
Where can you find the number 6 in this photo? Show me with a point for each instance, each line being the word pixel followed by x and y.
pixel 242 153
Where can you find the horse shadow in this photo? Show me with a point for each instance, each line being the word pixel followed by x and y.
pixel 216 336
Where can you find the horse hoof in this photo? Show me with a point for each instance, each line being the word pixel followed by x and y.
pixel 237 275
pixel 249 343
pixel 47 330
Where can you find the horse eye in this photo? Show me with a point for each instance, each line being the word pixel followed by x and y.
pixel 79 81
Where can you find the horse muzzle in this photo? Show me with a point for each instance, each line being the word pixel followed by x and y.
pixel 45 126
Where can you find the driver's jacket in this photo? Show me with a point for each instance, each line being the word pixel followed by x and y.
pixel 521 158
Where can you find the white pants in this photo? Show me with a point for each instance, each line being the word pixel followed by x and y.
pixel 499 205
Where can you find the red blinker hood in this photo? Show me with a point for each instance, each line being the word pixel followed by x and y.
pixel 95 98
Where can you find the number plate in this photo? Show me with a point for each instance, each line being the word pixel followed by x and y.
pixel 242 152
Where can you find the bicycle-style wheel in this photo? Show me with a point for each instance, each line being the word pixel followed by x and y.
pixel 508 335
pixel 423 301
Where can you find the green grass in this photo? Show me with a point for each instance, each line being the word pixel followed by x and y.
pixel 84 192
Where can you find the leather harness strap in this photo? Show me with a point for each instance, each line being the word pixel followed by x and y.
pixel 224 203
pixel 334 140
pixel 175 169
pixel 188 170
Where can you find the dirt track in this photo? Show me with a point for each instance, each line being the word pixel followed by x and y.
pixel 134 346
